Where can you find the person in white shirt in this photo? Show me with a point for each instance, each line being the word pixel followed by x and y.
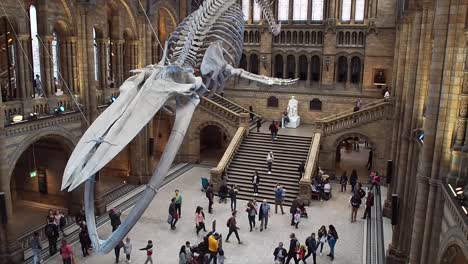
pixel 327 190
pixel 269 159
pixel 387 96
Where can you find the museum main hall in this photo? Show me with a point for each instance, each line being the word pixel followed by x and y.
pixel 304 131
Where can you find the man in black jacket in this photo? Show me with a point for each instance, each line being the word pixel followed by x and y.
pixel 210 195
pixel 312 246
pixel 280 253
pixel 52 234
pixel 293 247
pixel 114 218
pixel 301 169
pixel 255 183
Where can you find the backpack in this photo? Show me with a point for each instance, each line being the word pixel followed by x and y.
pixel 228 223
pixel 361 193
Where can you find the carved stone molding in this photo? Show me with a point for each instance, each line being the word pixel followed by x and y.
pixel 42 123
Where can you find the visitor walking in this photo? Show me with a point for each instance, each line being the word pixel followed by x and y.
pixel 114 217
pixel 66 251
pixel 52 234
pixel 293 209
pixel 297 217
pixel 369 204
pixel 117 249
pixel 251 213
pixel 85 241
pixel 210 195
pixel 279 198
pixel 301 169
pixel 60 221
pixel 358 103
pixel 369 159
pixel 232 225
pixel 182 255
pixel 353 180
pixel 178 202
pixel 213 247
pixel 128 249
pixel 387 96
pixel 355 203
pixel 251 113
pixel 375 180
pixel 273 130
pixel 270 158
pixel 233 195
pixel 36 247
pixel 149 252
pixel 343 181
pixel 322 236
pixel 37 84
pixel 301 253
pixel 255 183
pixel 293 248
pixel 173 216
pixel 280 254
pixel 264 214
pixel 199 219
pixel 259 124
pixel 312 246
pixel 332 239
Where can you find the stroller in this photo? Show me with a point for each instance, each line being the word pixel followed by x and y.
pixel 303 211
pixel 205 183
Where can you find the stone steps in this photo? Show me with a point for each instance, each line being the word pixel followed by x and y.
pixel 235 108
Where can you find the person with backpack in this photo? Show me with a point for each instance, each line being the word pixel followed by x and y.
pixel 251 213
pixel 149 252
pixel 332 237
pixel 232 225
pixel 255 183
pixel 52 234
pixel 199 219
pixel 269 159
pixel 369 204
pixel 312 245
pixel 264 214
pixel 36 247
pixel 279 198
pixel 213 248
pixel 114 218
pixel 355 203
pixel 293 248
pixel 353 180
pixel 233 195
pixel 273 130
pixel 343 181
pixel 210 195
pixel 280 254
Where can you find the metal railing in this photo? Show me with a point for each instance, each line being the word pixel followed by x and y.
pixel 375 247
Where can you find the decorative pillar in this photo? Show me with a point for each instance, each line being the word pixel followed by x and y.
pixel 285 68
pixel 73 62
pixel 47 64
pixel 296 68
pixel 309 71
pixel 22 69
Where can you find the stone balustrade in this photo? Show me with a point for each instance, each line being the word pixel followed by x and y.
pixel 310 170
pixel 221 111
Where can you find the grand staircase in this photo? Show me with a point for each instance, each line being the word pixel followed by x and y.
pixel 251 155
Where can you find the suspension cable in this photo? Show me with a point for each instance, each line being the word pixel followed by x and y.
pixel 151 25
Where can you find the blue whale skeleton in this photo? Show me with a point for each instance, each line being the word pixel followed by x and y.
pixel 208 40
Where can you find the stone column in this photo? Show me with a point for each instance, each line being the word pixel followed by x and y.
pixel 296 67
pixel 331 12
pixel 285 68
pixel 291 11
pixel 353 10
pixel 47 64
pixel 73 64
pixel 21 68
pixel 309 70
pixel 102 62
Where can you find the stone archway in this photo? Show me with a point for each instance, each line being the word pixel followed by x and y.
pixel 213 138
pixel 453 254
pixel 453 248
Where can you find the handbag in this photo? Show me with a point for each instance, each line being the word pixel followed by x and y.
pixel 323 239
pixel 169 219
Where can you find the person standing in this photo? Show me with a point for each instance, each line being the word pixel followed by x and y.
pixel 355 203
pixel 199 219
pixel 353 180
pixel 279 198
pixel 293 209
pixel 358 103
pixel 52 234
pixel 213 247
pixel 251 113
pixel 233 195
pixel 38 86
pixel 369 159
pixel 232 225
pixel 36 247
pixel 301 169
pixel 149 252
pixel 369 204
pixel 128 249
pixel 60 221
pixel 312 246
pixel 210 196
pixel 178 203
pixel 264 214
pixel 66 251
pixel 322 236
pixel 343 181
pixel 280 253
pixel 255 183
pixel 332 238
pixel 117 249
pixel 273 131
pixel 174 217
pixel 270 158
pixel 114 218
pixel 259 124
pixel 387 96
pixel 182 255
pixel 84 241
pixel 375 181
pixel 251 213
pixel 293 248
pixel 297 217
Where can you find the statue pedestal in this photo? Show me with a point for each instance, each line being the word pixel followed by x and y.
pixel 294 122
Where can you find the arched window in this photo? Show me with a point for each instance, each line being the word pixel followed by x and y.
pixel 254 63
pixel 288 37
pixel 341 38
pixel 35 41
pixel 282 37
pixel 307 37
pixel 347 38
pixel 272 101
pixel 257 12
pixel 294 40
pixel 317 10
pixel 361 38
pixel 246 37
pixel 243 62
pixel 320 38
pixel 7 62
pixel 346 10
pixel 342 75
pixel 55 52
pixel 283 10
pixel 300 10
pixel 359 12
pixel 314 38
pixel 246 9
pixel 315 68
pixel 315 104
pixel 279 63
pixel 303 68
pixel 95 50
pixel 301 37
pixel 354 38
pixel 355 70
pixel 290 67
pixel 251 37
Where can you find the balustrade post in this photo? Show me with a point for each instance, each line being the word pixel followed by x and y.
pixel 244 122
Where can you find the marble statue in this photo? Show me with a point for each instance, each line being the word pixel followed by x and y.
pixel 208 41
pixel 294 118
pixel 292 107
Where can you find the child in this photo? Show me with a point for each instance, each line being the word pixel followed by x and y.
pixel 149 252
pixel 301 253
pixel 128 249
pixel 297 217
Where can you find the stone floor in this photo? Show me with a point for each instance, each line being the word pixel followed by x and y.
pixel 354 160
pixel 258 246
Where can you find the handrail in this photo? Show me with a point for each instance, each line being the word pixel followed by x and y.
pixel 311 167
pixel 220 106
pixel 351 112
pixel 375 248
pixel 232 102
pixel 228 155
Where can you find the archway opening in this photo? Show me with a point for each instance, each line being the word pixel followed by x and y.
pixel 354 153
pixel 213 142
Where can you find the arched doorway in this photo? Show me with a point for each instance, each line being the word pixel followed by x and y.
pixel 355 70
pixel 161 129
pixel 213 143
pixel 254 63
pixel 279 64
pixel 303 65
pixel 354 152
pixel 342 70
pixel 290 66
pixel 453 255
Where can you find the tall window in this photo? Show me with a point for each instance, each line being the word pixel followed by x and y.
pixel 359 13
pixel 283 10
pixel 257 12
pixel 317 10
pixel 346 10
pixel 300 10
pixel 55 53
pixel 95 56
pixel 246 9
pixel 35 41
